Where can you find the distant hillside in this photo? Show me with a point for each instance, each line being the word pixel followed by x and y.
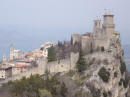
pixel 127 50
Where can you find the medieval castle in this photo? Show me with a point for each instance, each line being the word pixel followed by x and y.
pixel 103 36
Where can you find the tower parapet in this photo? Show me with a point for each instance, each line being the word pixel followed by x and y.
pixel 76 38
pixel 108 25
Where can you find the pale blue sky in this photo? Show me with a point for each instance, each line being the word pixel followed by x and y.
pixel 28 23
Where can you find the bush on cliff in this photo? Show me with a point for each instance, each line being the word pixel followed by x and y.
pixel 44 93
pixel 122 67
pixel 104 74
pixel 125 82
pixel 81 63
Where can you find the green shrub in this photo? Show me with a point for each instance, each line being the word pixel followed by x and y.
pixel 78 94
pixel 122 67
pixel 44 93
pixel 102 49
pixel 71 73
pixel 37 86
pixel 81 64
pixel 115 74
pixel 79 80
pixel 63 90
pixel 104 94
pixel 124 82
pixel 51 54
pixel 120 82
pixel 104 74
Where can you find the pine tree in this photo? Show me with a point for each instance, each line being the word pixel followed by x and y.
pixel 51 54
pixel 81 63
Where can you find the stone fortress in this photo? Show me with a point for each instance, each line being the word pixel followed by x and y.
pixel 101 38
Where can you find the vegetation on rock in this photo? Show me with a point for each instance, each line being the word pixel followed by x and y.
pixel 104 74
pixel 81 63
pixel 122 67
pixel 37 86
pixel 125 82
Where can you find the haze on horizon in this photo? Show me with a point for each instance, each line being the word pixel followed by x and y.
pixel 28 23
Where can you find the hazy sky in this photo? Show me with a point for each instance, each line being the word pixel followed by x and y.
pixel 28 23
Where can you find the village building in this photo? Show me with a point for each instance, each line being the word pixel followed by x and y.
pixel 14 54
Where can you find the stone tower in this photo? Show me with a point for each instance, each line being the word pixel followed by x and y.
pixel 11 52
pixel 108 25
pixel 4 58
pixel 76 38
pixel 97 26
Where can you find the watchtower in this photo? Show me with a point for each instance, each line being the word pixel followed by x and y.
pixel 76 38
pixel 11 52
pixel 108 25
pixel 4 58
pixel 97 26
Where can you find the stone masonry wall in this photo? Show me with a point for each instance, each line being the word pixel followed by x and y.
pixel 53 67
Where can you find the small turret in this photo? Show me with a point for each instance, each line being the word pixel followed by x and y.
pixel 4 58
pixel 76 38
pixel 97 26
pixel 11 52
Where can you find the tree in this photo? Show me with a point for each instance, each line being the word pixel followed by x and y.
pixel 51 54
pixel 81 64
pixel 63 90
pixel 102 49
pixel 44 93
pixel 104 74
pixel 122 67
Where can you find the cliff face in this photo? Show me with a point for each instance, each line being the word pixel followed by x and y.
pixel 105 76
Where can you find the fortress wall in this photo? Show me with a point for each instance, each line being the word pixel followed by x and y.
pixel 24 74
pixel 86 44
pixel 76 38
pixel 36 70
pixel 101 43
pixel 73 59
pixel 61 66
pixel 64 65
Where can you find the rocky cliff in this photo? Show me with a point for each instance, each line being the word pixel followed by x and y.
pixel 105 76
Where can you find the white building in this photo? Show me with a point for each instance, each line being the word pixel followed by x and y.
pixel 45 47
pixel 2 73
pixel 47 44
pixel 3 69
pixel 4 58
pixel 14 54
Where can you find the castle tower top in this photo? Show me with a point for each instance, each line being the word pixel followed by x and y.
pixel 108 24
pixel 97 25
pixel 11 47
pixel 108 18
pixel 76 38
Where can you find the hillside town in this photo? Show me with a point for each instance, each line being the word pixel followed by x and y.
pixel 19 63
pixel 96 58
pixel 101 39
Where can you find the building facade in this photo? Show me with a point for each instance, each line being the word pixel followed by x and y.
pixel 101 36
